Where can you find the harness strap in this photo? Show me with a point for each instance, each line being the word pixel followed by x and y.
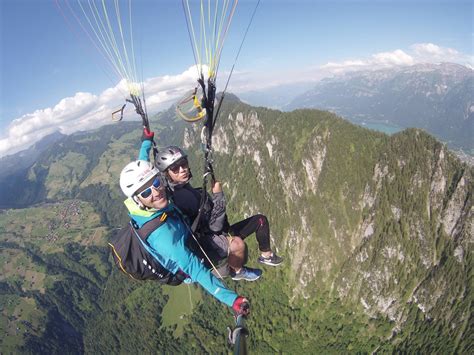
pixel 208 103
pixel 149 226
pixel 120 263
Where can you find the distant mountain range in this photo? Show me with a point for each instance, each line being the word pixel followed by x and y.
pixel 276 97
pixel 11 164
pixel 437 98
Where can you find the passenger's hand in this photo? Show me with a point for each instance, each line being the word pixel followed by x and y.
pixel 216 187
pixel 241 306
pixel 147 135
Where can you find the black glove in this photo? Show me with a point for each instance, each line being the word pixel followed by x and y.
pixel 147 135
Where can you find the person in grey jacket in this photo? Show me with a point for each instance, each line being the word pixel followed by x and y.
pixel 172 161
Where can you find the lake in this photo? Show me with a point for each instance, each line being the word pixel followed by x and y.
pixel 381 127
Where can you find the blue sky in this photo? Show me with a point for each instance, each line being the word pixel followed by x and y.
pixel 44 64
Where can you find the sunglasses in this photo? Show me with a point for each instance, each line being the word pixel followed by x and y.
pixel 147 192
pixel 183 163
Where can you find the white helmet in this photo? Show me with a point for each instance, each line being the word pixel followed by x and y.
pixel 135 175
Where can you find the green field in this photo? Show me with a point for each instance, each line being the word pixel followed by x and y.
pixel 182 300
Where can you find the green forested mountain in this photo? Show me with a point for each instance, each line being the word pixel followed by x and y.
pixel 376 232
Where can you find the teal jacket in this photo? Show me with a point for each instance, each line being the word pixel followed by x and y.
pixel 168 245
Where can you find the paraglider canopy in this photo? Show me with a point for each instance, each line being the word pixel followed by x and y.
pixel 208 25
pixel 108 26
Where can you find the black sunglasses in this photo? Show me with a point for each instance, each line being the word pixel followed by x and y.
pixel 182 163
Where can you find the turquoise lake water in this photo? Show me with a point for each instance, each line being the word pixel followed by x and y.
pixel 381 127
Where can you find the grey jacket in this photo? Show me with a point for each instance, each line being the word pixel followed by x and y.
pixel 188 200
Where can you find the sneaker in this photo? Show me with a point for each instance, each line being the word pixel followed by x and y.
pixel 247 274
pixel 273 260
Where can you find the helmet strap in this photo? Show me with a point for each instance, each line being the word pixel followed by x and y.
pixel 141 205
pixel 138 202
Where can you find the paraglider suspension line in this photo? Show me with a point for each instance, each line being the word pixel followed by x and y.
pixel 137 102
pixel 235 61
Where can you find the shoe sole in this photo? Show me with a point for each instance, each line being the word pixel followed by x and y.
pixel 246 279
pixel 269 264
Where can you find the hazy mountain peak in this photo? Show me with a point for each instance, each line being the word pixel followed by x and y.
pixel 434 97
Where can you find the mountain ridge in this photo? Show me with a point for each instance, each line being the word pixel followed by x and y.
pixel 437 98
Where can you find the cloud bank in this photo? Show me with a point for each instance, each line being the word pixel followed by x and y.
pixel 85 111
pixel 417 53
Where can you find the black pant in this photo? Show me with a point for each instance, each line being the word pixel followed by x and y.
pixel 257 224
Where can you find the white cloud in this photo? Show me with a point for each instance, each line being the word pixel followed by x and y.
pixel 85 111
pixel 395 58
pixel 346 63
pixel 28 129
pixel 429 48
pixel 430 52
pixel 416 53
pixel 376 61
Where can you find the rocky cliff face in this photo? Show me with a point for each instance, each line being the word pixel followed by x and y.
pixel 417 255
pixel 383 223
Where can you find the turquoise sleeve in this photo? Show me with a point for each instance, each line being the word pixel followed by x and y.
pixel 167 244
pixel 192 266
pixel 174 255
pixel 145 148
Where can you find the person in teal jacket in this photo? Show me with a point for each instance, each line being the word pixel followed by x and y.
pixel 147 199
pixel 217 246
